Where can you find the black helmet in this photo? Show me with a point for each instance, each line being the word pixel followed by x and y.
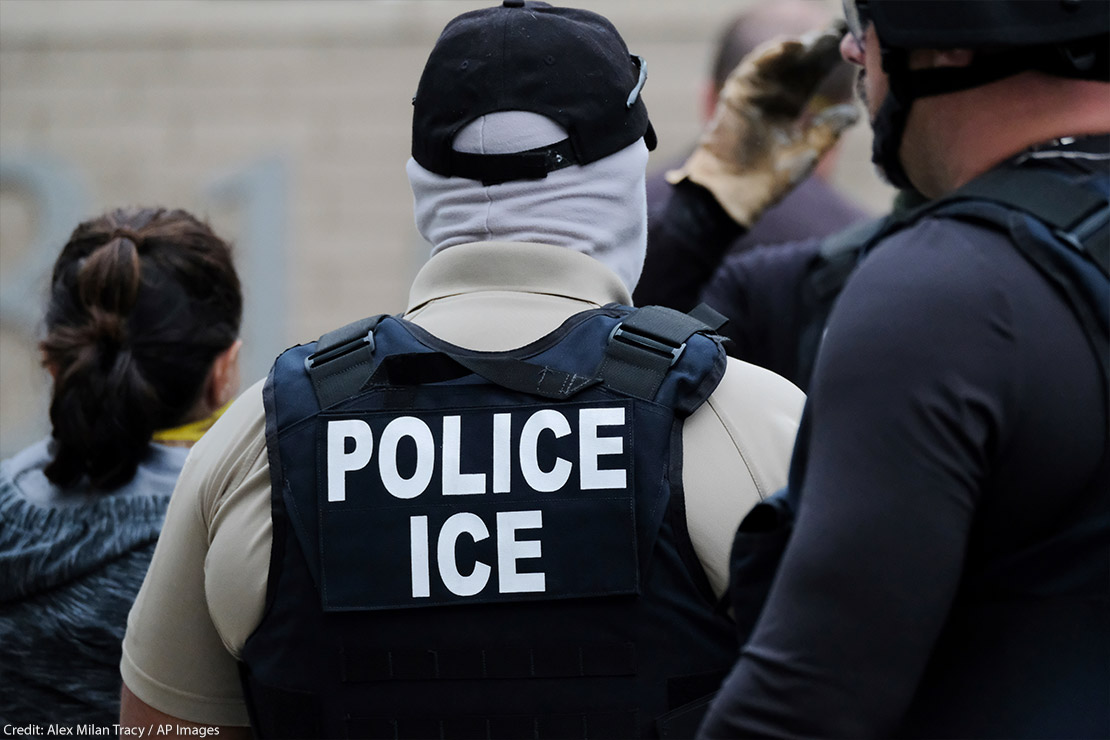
pixel 975 24
pixel 1066 38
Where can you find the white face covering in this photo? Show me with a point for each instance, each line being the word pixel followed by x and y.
pixel 599 209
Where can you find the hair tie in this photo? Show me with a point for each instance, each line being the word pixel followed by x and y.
pixel 125 233
pixel 108 330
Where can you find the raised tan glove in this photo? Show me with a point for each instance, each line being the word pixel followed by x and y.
pixel 764 138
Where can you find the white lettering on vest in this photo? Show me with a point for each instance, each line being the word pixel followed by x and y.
pixel 538 479
pixel 418 431
pixel 502 469
pixel 418 529
pixel 456 582
pixel 591 447
pixel 497 475
pixel 456 483
pixel 510 550
pixel 339 460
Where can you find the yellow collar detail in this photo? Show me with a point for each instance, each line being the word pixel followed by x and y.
pixel 190 432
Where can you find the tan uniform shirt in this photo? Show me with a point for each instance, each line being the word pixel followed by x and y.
pixel 205 590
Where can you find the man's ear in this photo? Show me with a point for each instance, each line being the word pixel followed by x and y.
pixel 954 57
pixel 223 378
pixel 931 58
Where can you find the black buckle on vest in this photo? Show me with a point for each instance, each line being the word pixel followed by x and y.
pixel 342 361
pixel 647 343
pixel 331 353
pixel 643 341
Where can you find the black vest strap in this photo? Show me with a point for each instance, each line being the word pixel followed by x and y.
pixel 641 350
pixel 342 365
pixel 644 346
pixel 341 362
pixel 436 367
pixel 1077 215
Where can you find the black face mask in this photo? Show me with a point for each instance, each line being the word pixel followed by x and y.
pixel 889 126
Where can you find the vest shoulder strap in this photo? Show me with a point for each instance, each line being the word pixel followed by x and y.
pixel 343 364
pixel 641 350
pixel 1078 215
pixel 342 360
pixel 643 347
pixel 420 368
pixel 1074 254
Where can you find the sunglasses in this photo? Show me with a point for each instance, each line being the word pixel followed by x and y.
pixel 858 17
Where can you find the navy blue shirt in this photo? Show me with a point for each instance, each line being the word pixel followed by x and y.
pixel 956 418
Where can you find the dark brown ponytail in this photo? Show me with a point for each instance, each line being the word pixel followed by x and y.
pixel 142 302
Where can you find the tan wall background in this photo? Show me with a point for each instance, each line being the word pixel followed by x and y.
pixel 286 123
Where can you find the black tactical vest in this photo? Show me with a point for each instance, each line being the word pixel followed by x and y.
pixel 486 545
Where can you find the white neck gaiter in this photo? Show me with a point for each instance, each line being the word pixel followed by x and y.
pixel 599 209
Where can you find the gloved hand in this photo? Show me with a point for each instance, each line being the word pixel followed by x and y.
pixel 763 139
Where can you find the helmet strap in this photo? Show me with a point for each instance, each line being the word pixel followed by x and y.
pixel 984 69
pixel 890 120
pixel 907 85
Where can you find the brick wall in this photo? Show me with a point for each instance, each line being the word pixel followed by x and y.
pixel 285 123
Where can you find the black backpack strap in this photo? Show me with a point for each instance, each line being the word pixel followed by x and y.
pixel 644 346
pixel 342 360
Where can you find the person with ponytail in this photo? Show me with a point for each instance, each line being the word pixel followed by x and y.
pixel 142 342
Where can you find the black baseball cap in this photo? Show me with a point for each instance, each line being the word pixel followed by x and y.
pixel 569 65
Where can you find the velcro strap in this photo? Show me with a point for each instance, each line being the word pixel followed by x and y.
pixel 644 346
pixel 711 317
pixel 366 665
pixel 342 361
pixel 595 725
